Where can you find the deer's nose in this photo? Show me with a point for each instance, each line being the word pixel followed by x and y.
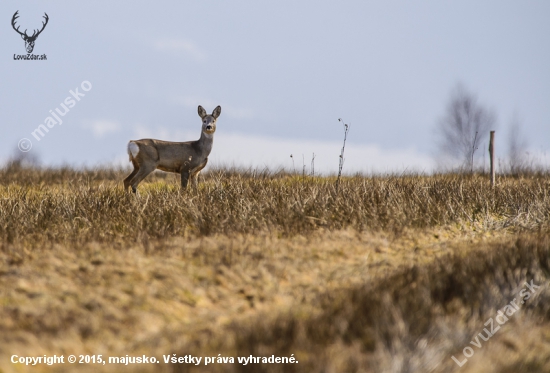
pixel 209 127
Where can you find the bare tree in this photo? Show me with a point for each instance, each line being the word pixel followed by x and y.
pixel 517 148
pixel 20 159
pixel 464 126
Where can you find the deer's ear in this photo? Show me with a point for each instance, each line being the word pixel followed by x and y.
pixel 202 112
pixel 23 36
pixel 217 111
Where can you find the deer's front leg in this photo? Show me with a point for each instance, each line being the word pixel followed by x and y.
pixel 196 172
pixel 184 179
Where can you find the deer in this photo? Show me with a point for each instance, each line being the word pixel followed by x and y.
pixel 29 40
pixel 184 158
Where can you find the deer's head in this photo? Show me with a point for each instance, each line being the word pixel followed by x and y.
pixel 209 121
pixel 29 40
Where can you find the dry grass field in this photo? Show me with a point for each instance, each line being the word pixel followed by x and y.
pixel 384 274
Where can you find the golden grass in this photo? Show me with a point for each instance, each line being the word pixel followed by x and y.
pixel 82 207
pixel 391 274
pixel 416 318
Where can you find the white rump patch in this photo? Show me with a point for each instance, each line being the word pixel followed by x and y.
pixel 133 149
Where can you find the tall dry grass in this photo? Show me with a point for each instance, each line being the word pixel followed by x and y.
pixel 66 205
pixel 417 318
pixel 363 277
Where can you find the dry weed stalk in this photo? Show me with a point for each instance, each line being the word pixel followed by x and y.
pixel 341 162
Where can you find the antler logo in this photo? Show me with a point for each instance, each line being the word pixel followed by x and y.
pixel 29 40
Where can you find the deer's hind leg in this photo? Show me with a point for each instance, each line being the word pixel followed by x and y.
pixel 142 173
pixel 128 180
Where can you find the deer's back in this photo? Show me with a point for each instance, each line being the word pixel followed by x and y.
pixel 172 156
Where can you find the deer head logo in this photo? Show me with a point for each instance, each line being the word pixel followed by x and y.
pixel 29 40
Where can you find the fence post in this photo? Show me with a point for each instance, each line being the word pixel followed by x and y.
pixel 492 157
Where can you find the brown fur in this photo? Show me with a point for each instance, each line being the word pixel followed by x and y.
pixel 185 158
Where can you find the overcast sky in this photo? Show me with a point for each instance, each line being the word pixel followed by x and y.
pixel 282 71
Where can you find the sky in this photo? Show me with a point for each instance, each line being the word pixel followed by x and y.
pixel 283 72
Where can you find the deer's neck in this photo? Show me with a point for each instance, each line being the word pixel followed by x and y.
pixel 205 143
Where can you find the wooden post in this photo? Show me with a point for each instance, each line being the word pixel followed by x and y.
pixel 492 157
